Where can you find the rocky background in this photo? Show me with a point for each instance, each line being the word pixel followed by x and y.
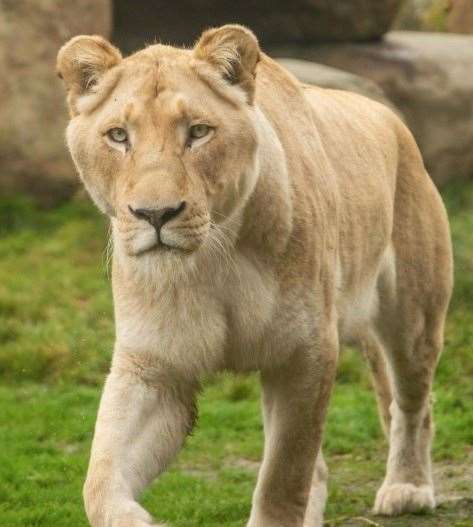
pixel 415 55
pixel 33 157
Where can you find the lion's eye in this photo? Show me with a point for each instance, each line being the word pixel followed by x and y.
pixel 119 135
pixel 198 131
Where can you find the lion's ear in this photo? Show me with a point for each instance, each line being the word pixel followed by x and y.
pixel 82 61
pixel 234 51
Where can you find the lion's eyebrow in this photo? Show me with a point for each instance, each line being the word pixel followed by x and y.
pixel 179 106
pixel 129 112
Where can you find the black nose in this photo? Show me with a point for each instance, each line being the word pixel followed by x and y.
pixel 158 217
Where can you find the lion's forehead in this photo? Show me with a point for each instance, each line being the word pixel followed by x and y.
pixel 161 86
pixel 159 69
pixel 171 81
pixel 164 87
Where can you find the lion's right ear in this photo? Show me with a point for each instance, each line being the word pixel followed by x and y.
pixel 82 61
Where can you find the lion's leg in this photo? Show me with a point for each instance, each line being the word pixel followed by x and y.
pixel 375 356
pixel 414 288
pixel 141 424
pixel 295 399
pixel 314 514
pixel 408 485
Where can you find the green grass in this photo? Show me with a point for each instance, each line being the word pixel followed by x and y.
pixel 56 335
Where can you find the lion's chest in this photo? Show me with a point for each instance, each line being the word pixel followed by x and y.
pixel 237 320
pixel 263 325
pixel 250 296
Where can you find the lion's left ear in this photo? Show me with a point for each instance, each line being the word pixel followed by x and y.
pixel 234 51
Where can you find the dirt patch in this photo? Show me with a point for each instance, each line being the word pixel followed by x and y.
pixel 454 491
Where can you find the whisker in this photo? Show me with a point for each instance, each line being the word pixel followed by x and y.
pixel 226 247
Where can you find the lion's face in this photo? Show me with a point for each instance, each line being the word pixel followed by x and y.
pixel 164 140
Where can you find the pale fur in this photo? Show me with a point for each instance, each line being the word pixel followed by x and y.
pixel 309 220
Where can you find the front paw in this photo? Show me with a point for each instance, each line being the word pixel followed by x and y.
pixel 117 512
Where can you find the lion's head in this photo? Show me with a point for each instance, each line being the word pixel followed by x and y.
pixel 165 139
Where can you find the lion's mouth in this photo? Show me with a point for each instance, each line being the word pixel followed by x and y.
pixel 139 241
pixel 160 248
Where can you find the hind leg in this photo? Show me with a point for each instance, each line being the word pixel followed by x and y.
pixel 408 484
pixel 412 356
pixel 414 291
pixel 375 356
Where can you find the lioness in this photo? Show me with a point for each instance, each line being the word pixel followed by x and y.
pixel 257 222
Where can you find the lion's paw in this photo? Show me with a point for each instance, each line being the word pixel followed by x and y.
pixel 399 498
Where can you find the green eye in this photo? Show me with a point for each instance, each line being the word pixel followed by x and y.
pixel 198 131
pixel 118 135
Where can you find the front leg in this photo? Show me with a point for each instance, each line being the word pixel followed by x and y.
pixel 295 398
pixel 144 416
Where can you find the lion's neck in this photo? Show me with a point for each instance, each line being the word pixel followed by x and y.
pixel 266 220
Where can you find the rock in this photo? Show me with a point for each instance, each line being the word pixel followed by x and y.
pixel 33 116
pixel 327 77
pixel 423 15
pixel 460 18
pixel 273 22
pixel 429 77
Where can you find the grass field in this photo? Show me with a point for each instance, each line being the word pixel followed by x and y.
pixel 56 334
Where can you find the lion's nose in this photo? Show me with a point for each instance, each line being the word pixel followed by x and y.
pixel 158 217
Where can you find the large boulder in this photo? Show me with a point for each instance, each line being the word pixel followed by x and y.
pixel 333 78
pixel 429 77
pixel 273 22
pixel 460 17
pixel 33 117
pixel 423 15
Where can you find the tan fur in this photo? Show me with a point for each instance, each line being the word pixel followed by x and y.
pixel 309 220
